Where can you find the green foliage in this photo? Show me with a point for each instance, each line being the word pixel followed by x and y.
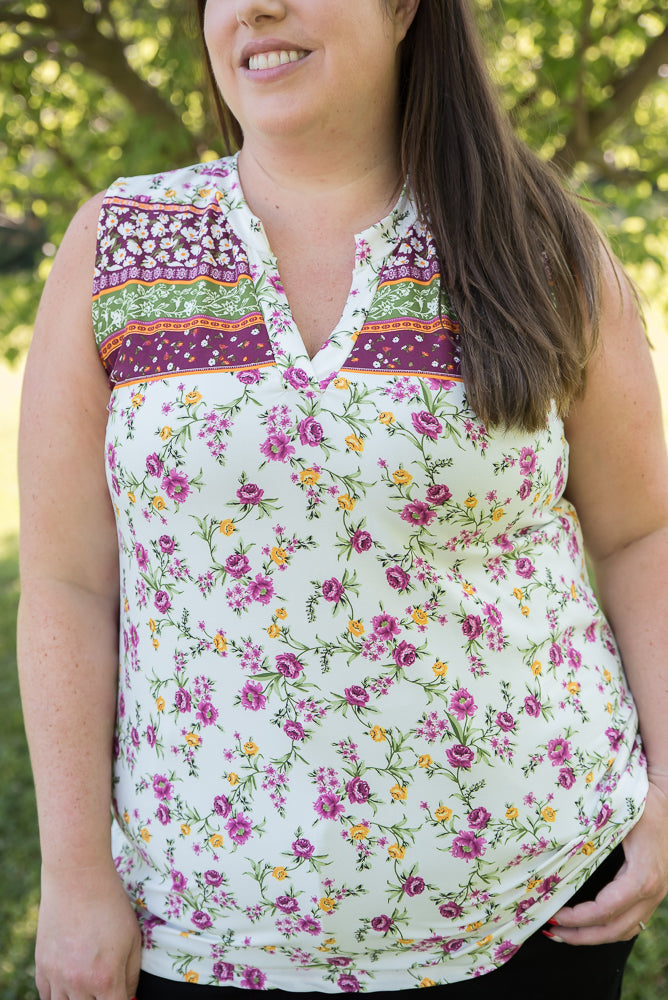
pixel 90 89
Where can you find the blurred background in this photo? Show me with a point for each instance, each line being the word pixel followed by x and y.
pixel 91 89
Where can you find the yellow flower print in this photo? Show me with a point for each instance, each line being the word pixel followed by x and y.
pixel 420 616
pixel 355 627
pixel 518 594
pixel 126 605
pixel 251 748
pixel 525 611
pixel 608 708
pixel 226 527
pixel 424 760
pixel 159 502
pixel 498 514
pixel 171 193
pixel 160 704
pixel 355 443
pixel 512 812
pixel 269 948
pixel 216 840
pixel 536 668
pixel 126 816
pixel 233 778
pixel 191 976
pixel 192 398
pixel 468 589
pixel 274 631
pixel 377 734
pixel 443 814
pixel 166 433
pixel 131 497
pixel 397 851
pixel 346 502
pixel 204 192
pixel 474 926
pixel 484 941
pixel 279 556
pixel 405 940
pixel 155 643
pixel 137 399
pixel 401 477
pixel 426 982
pixel 145 835
pixel 548 814
pixel 573 687
pixel 607 675
pixel 532 884
pixel 185 829
pixel 281 613
pixel 309 477
pixel 330 940
pixel 192 739
pixel 588 848
pixel 359 831
pixel 326 904
pixel 471 502
pixel 574 592
pixel 440 668
pixel 399 792
pixel 341 383
pixel 220 642
pixel 279 873
pixel 589 777
pixel 386 417
pixel 152 625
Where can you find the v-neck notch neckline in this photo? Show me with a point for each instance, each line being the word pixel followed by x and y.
pixel 373 246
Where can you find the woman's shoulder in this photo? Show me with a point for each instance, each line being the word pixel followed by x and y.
pixel 195 184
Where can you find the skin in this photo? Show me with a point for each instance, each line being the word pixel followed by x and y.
pixel 318 165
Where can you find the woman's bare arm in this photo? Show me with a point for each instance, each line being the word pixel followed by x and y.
pixel 618 482
pixel 88 937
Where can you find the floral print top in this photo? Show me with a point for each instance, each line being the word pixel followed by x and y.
pixel 373 728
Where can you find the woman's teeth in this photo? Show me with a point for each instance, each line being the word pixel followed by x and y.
pixel 270 60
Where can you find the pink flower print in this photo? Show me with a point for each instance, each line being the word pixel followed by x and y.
pixel 213 878
pixel 358 790
pixel 404 654
pixel 479 818
pixel 310 431
pixel 277 447
pixel 382 923
pixel 615 738
pixel 339 960
pixel 249 494
pixel 357 695
pixel 237 565
pixel 175 485
pixel 162 787
pixel 150 736
pixel 450 947
pixel 182 700
pixel 141 556
pixel 361 541
pixel 296 378
pixel 250 377
pixel 467 846
pixel 462 704
pixel 527 461
pixel 111 456
pixel 261 589
pixel 438 494
pixel 328 806
pixel 332 590
pixel 532 706
pixel 460 756
pixel 385 626
pixel 239 828
pixel 288 665
pixel 252 696
pixel 163 814
pixel 201 920
pixel 558 751
pixel 503 543
pixel 287 904
pixel 524 568
pixel 450 910
pixel 252 979
pixel 348 983
pixel 309 924
pixel 414 885
pixel 223 971
pixel 603 816
pixel 426 423
pixel 162 601
pixel 524 491
pixel 207 713
pixel 472 627
pixel 302 848
pixel 166 543
pixel 293 729
pixel 221 806
pixel 154 466
pixel 566 777
pixel 505 721
pixel 418 513
pixel 397 578
pixel 505 951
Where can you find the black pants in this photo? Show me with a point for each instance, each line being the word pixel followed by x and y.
pixel 541 969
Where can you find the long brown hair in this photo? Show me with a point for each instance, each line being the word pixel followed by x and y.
pixel 520 259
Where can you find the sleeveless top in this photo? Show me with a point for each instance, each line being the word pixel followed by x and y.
pixel 373 729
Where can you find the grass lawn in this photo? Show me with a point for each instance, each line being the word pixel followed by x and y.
pixel 646 979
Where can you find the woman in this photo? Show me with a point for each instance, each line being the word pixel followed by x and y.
pixel 372 729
